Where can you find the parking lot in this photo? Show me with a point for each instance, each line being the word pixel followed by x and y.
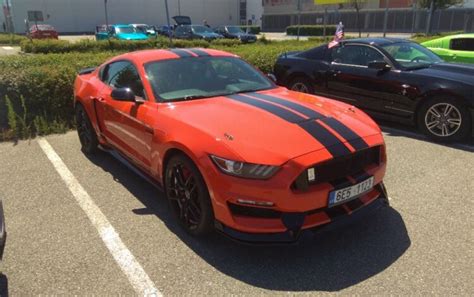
pixel 423 244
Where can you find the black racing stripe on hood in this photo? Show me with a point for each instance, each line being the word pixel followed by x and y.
pixel 354 140
pixel 273 109
pixel 312 114
pixel 181 53
pixel 198 52
pixel 324 136
pixel 313 128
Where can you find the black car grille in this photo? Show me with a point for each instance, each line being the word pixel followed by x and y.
pixel 338 168
pixel 256 212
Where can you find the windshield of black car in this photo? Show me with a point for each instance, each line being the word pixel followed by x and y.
pixel 191 78
pixel 411 54
pixel 125 30
pixel 201 29
pixel 234 30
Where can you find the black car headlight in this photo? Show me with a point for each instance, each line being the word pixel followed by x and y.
pixel 245 170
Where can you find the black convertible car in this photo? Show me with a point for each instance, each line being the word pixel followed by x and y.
pixel 392 79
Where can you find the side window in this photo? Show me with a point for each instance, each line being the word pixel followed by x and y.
pixel 462 44
pixel 123 74
pixel 355 55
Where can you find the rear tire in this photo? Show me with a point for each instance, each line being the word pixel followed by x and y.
pixel 444 119
pixel 301 84
pixel 188 196
pixel 87 135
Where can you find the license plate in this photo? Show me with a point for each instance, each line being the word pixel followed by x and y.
pixel 352 192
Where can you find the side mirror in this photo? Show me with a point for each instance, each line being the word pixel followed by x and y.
pixel 123 94
pixel 272 77
pixel 379 65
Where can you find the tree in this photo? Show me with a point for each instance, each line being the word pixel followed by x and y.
pixel 433 5
pixel 439 4
pixel 356 4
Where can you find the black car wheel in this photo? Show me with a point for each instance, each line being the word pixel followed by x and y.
pixel 87 135
pixel 444 119
pixel 301 84
pixel 188 196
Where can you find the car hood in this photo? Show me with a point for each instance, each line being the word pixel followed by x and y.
pixel 259 136
pixel 132 36
pixel 452 71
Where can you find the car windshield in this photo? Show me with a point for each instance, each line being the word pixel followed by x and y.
pixel 43 27
pixel 125 30
pixel 201 29
pixel 194 78
pixel 142 28
pixel 234 29
pixel 411 55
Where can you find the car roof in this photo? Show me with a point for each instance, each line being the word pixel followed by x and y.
pixel 121 25
pixel 376 40
pixel 146 56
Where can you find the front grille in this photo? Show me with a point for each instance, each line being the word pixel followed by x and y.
pixel 340 167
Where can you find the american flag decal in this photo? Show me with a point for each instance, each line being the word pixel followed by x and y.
pixel 338 36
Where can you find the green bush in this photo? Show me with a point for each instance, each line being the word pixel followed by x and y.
pixel 11 39
pixel 311 30
pixel 252 29
pixel 226 42
pixel 36 91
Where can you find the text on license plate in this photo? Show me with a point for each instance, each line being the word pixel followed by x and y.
pixel 349 193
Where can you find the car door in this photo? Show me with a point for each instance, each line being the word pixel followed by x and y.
pixel 124 123
pixel 351 80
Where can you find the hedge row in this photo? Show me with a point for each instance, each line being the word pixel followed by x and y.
pixel 36 91
pixel 311 30
pixel 47 46
pixel 11 39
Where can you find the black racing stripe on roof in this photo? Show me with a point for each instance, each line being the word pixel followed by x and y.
pixel 181 53
pixel 354 140
pixel 325 137
pixel 312 114
pixel 198 52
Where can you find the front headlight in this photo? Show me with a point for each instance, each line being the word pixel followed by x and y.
pixel 245 170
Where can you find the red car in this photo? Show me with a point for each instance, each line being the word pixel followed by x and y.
pixel 232 151
pixel 42 32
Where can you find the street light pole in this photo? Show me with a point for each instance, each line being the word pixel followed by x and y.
pixel 106 19
pixel 299 20
pixel 168 20
pixel 385 19
pixel 179 7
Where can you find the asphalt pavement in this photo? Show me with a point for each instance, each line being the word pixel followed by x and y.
pixel 422 244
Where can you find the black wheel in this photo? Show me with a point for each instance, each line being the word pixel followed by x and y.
pixel 188 196
pixel 444 119
pixel 301 84
pixel 87 135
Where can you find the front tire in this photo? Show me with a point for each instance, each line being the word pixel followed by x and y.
pixel 444 120
pixel 87 135
pixel 188 196
pixel 301 84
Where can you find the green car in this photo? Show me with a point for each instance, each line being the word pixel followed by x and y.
pixel 454 48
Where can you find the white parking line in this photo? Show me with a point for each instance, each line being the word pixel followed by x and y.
pixel 137 277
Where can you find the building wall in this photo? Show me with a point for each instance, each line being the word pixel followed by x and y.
pixel 255 11
pixel 83 15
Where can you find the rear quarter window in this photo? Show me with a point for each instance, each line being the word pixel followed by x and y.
pixel 462 44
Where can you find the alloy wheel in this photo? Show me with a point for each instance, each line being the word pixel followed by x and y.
pixel 443 119
pixel 300 87
pixel 183 193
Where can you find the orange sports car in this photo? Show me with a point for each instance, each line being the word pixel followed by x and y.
pixel 232 151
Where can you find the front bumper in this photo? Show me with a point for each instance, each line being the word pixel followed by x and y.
pixel 339 217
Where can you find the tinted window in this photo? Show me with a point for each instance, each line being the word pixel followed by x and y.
pixel 462 44
pixel 123 75
pixel 179 79
pixel 355 55
pixel 410 54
